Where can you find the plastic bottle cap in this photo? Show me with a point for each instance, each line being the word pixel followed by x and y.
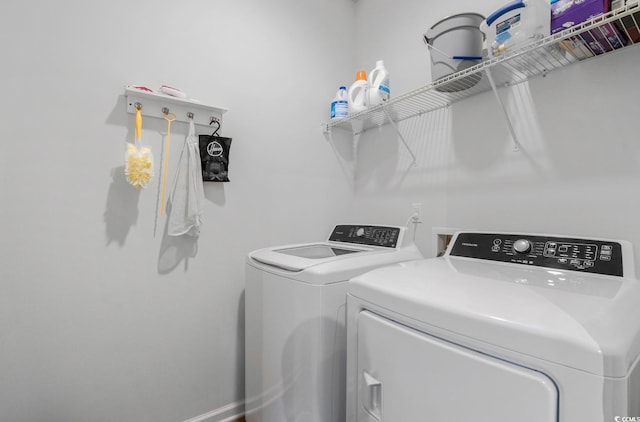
pixel 380 63
pixel 342 87
pixel 361 75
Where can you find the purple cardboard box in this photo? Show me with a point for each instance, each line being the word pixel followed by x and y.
pixel 604 38
pixel 567 13
pixel 628 24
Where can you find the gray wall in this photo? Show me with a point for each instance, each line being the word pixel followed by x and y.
pixel 103 317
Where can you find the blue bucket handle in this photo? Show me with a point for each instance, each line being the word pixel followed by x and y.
pixel 517 4
pixel 467 57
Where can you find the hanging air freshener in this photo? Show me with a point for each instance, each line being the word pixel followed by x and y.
pixel 214 156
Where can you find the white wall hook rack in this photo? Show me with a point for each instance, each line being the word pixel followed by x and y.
pixel 157 105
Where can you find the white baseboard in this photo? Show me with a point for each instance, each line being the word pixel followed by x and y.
pixel 227 413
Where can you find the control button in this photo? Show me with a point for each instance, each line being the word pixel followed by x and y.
pixel 607 247
pixel 575 262
pixel 605 252
pixel 563 248
pixel 605 257
pixel 360 232
pixel 522 246
pixel 497 241
pixel 562 261
pixel 495 248
pixel 551 251
pixel 588 264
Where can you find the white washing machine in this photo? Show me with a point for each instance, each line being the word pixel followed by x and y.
pixel 502 328
pixel 295 320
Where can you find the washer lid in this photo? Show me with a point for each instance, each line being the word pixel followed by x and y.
pixel 327 262
pixel 579 320
pixel 300 257
pixel 317 251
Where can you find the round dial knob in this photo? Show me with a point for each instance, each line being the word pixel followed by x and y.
pixel 522 246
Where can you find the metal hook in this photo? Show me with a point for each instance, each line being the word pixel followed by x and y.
pixel 165 110
pixel 138 106
pixel 216 121
pixel 190 115
pixel 170 117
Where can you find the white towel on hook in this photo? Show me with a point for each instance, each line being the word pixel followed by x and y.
pixel 187 196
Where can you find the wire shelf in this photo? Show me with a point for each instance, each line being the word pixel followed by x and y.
pixel 618 29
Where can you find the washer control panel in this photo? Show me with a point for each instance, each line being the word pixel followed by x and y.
pixel 591 256
pixel 366 235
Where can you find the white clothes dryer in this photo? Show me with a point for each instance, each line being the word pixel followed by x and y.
pixel 502 328
pixel 295 334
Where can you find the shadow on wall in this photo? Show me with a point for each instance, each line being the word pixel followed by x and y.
pixel 378 159
pixel 370 156
pixel 482 141
pixel 214 192
pixel 121 211
pixel 377 154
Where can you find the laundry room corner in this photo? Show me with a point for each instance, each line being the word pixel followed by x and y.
pixel 105 315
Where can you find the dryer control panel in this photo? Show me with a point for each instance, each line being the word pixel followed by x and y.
pixel 366 235
pixel 586 255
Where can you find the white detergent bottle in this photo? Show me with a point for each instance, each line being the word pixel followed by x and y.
pixel 379 90
pixel 340 104
pixel 358 94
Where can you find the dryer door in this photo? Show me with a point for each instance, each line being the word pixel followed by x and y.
pixel 407 375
